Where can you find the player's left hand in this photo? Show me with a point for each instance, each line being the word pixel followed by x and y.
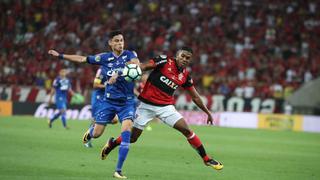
pixel 53 52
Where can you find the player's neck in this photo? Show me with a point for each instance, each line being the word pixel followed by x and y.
pixel 117 53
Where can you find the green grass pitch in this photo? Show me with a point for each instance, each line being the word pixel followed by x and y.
pixel 30 150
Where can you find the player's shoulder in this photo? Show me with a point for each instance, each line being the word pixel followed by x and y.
pixel 161 59
pixel 103 56
pixel 130 52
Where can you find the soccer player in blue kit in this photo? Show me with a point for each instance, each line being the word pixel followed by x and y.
pixel 61 86
pixel 119 96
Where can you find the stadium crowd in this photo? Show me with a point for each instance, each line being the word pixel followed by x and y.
pixel 246 48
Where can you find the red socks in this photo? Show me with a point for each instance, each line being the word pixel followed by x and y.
pixel 118 140
pixel 194 140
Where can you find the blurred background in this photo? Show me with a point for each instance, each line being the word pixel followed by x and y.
pixel 250 56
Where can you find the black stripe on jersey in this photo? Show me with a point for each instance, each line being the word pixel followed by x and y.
pixel 157 79
pixel 188 83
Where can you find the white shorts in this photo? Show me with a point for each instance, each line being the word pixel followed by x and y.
pixel 146 112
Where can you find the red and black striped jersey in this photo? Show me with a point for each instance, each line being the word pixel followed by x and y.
pixel 163 81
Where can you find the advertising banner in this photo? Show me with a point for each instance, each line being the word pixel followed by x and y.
pixel 43 110
pixel 280 122
pixel 225 119
pixel 5 108
pixel 311 123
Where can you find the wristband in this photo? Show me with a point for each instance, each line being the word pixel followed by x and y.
pixel 60 56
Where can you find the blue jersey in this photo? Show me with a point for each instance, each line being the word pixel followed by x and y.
pixel 61 87
pixel 110 63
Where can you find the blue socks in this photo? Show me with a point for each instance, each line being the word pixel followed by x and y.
pixel 54 117
pixel 91 128
pixel 124 149
pixel 63 119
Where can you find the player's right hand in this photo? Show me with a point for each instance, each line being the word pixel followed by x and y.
pixel 53 52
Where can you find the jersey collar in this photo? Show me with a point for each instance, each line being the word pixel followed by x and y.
pixel 116 55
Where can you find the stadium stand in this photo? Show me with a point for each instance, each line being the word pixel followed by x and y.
pixel 241 47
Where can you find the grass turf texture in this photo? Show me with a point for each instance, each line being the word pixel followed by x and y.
pixel 30 150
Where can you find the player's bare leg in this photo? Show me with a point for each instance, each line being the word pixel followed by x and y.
pixel 94 131
pixel 196 143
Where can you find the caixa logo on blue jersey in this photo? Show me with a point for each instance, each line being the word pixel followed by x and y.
pixel 112 71
pixel 168 82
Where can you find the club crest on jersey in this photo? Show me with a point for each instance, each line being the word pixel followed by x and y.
pixel 97 58
pixel 124 57
pixel 168 82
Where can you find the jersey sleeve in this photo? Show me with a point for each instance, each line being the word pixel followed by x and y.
pixel 159 61
pixel 188 84
pixel 95 59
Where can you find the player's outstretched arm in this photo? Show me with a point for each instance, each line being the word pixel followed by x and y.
pixel 69 57
pixel 198 101
pixel 158 61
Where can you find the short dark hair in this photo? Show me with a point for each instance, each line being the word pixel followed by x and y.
pixel 187 48
pixel 114 33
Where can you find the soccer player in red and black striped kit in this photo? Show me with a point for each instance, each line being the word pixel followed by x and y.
pixel 157 101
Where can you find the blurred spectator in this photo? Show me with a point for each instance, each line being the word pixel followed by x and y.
pixel 277 91
pixel 239 91
pixel 249 90
pixel 4 94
